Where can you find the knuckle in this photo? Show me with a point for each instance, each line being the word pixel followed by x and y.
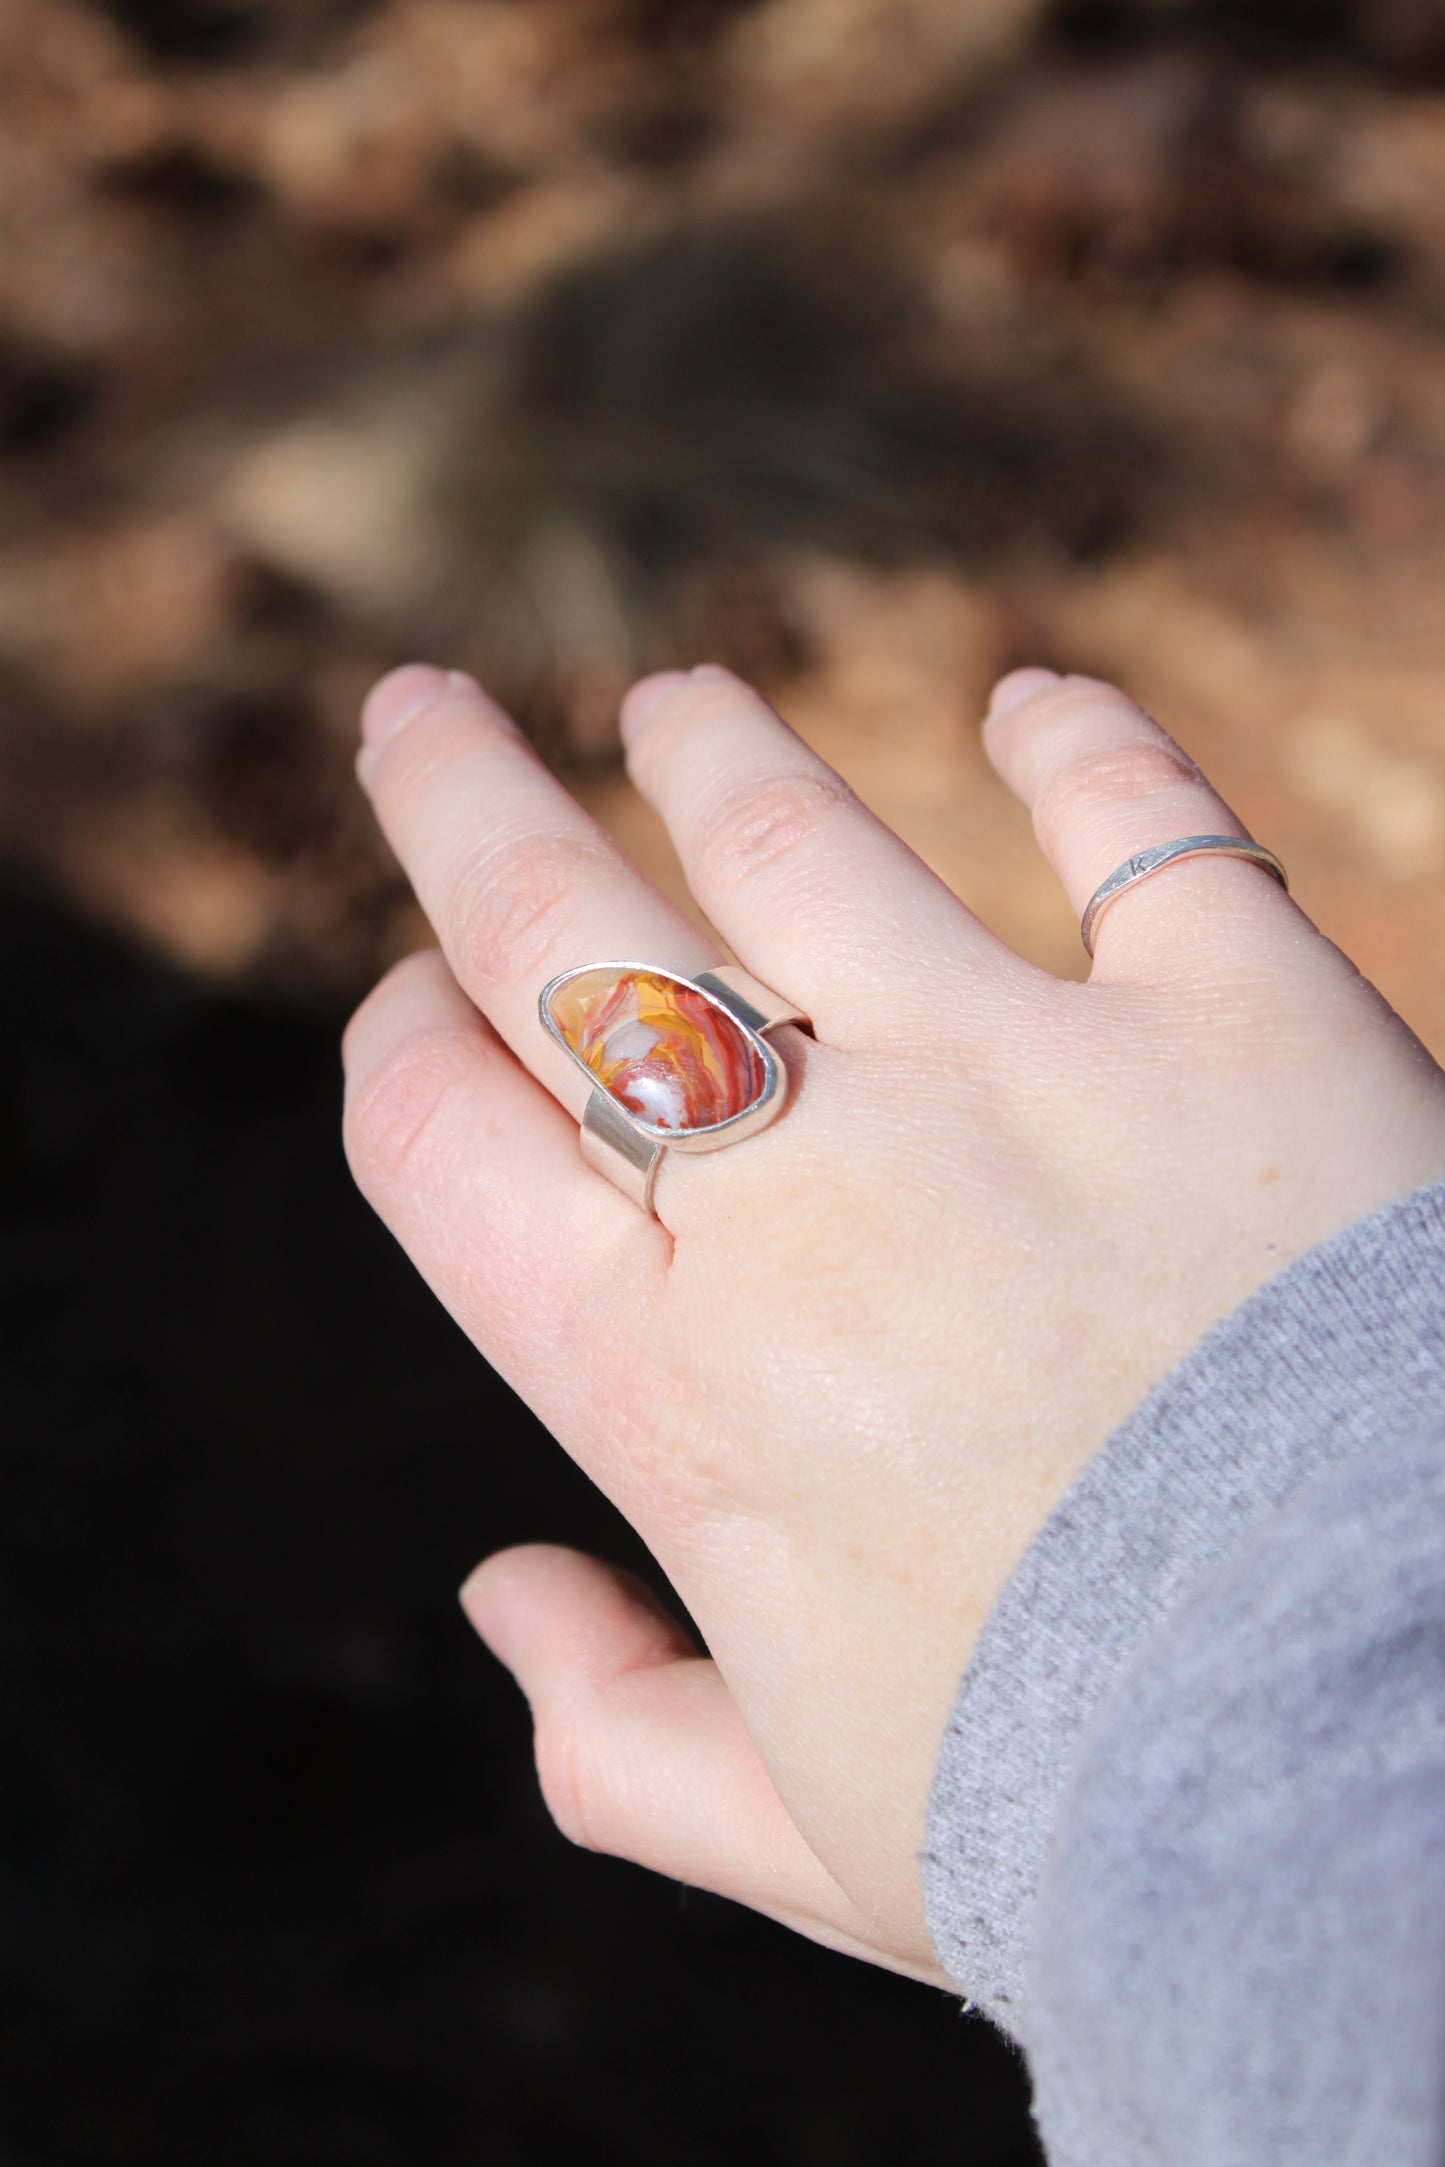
pixel 568 1778
pixel 424 969
pixel 393 1115
pixel 509 906
pixel 1126 772
pixel 754 827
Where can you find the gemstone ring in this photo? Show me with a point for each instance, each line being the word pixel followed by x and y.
pixel 676 1064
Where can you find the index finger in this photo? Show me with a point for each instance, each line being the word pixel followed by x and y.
pixel 518 882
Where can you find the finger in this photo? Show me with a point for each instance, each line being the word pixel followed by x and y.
pixel 1104 782
pixel 641 1750
pixel 476 1171
pixel 517 881
pixel 812 891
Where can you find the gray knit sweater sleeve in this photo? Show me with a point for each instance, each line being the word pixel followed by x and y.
pixel 1187 1834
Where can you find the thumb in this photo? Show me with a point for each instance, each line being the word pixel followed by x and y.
pixel 641 1749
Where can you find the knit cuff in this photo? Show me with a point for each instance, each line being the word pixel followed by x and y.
pixel 1345 1349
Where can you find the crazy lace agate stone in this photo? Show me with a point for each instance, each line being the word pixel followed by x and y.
pixel 672 1057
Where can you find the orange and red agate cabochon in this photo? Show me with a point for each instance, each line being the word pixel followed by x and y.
pixel 672 1057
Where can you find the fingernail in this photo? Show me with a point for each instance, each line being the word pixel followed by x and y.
pixel 482 1621
pixel 647 695
pixel 1019 685
pixel 399 699
pixel 469 1595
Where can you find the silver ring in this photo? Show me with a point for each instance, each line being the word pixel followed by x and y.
pixel 676 1064
pixel 1145 862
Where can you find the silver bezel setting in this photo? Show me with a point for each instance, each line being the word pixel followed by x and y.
pixel 764 1108
pixel 628 1150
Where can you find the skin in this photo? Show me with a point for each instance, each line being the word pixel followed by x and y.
pixel 841 1381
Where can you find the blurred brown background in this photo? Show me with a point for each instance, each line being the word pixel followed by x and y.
pixel 870 346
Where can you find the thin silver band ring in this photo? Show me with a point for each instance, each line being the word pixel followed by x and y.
pixel 1146 862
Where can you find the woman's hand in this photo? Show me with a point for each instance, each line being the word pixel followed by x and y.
pixel 843 1380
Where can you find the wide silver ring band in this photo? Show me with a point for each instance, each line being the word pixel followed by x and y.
pixel 1145 863
pixel 627 1150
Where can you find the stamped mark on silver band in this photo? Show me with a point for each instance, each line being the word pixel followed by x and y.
pixel 1146 862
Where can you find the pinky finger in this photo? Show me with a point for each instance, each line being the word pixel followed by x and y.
pixel 641 1749
pixel 1104 783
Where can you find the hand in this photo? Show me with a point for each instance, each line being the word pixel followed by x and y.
pixel 844 1378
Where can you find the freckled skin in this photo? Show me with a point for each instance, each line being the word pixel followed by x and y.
pixel 665 1052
